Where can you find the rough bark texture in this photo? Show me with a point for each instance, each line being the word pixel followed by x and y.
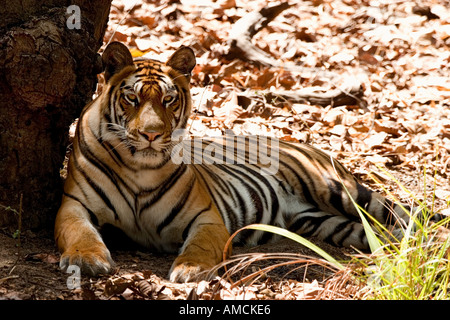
pixel 47 74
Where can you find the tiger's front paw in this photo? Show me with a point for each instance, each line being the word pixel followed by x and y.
pixel 185 270
pixel 93 260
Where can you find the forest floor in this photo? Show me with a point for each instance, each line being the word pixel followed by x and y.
pixel 397 52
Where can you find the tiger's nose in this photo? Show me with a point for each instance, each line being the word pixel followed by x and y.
pixel 150 135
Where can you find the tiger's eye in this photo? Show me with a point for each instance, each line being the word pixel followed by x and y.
pixel 132 98
pixel 168 100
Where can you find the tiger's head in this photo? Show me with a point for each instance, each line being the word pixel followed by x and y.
pixel 147 100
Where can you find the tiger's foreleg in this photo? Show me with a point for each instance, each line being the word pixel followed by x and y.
pixel 202 249
pixel 79 241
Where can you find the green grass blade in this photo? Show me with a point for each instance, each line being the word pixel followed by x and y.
pixel 374 242
pixel 298 239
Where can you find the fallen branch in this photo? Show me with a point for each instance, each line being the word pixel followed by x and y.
pixel 241 46
pixel 349 94
pixel 243 31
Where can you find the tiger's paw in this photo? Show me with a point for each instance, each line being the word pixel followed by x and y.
pixel 186 270
pixel 92 261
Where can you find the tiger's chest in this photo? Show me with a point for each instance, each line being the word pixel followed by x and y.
pixel 139 203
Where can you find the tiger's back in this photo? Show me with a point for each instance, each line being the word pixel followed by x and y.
pixel 126 170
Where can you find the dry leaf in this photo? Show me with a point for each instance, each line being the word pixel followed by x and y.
pixel 390 127
pixel 343 57
pixel 375 139
pixel 116 286
pixel 226 4
pixel 339 130
pixel 230 110
pixel 308 291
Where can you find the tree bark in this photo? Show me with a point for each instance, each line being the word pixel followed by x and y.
pixel 48 68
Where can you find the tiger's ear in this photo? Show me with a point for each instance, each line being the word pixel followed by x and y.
pixel 115 57
pixel 182 60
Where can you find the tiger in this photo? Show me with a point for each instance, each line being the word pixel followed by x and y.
pixel 127 169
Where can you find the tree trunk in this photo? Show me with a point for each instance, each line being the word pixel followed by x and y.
pixel 48 67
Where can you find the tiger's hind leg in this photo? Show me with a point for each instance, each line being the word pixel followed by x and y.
pixel 79 241
pixel 394 217
pixel 331 191
pixel 335 229
pixel 341 231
